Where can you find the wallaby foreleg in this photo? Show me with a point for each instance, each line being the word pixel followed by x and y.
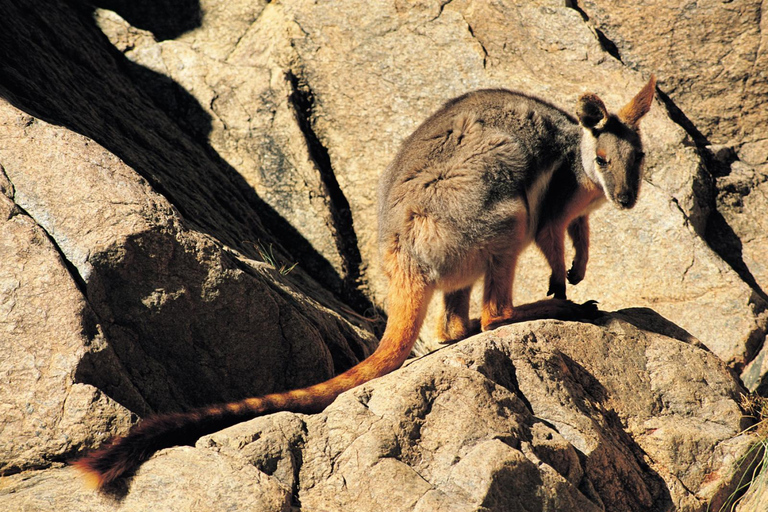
pixel 551 241
pixel 578 230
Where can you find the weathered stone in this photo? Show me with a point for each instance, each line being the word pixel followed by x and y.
pixel 710 57
pixel 756 498
pixel 46 329
pixel 743 201
pixel 189 141
pixel 179 479
pixel 711 60
pixel 149 279
pixel 540 416
pixel 609 392
pixel 254 110
pixel 114 299
pixel 548 414
pixel 328 85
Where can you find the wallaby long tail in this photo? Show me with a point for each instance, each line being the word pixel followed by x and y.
pixel 408 302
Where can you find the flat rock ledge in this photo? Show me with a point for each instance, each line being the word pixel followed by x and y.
pixel 627 414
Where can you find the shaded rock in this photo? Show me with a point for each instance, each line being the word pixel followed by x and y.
pixel 116 301
pixel 170 152
pixel 742 200
pixel 332 90
pixel 711 60
pixel 253 111
pixel 740 231
pixel 548 414
pixel 544 50
pixel 143 170
pixel 46 329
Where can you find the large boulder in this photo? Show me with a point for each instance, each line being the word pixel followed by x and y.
pixel 618 416
pixel 710 57
pixel 113 301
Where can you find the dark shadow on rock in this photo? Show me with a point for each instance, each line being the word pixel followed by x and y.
pixel 726 243
pixel 166 19
pixel 188 336
pixel 646 319
pixel 615 444
pixel 615 468
pixel 56 65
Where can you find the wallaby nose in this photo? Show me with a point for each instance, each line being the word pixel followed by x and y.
pixel 624 199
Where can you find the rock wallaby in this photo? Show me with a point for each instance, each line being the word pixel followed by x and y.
pixel 486 175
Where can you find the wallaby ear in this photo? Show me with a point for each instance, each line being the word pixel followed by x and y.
pixel 592 112
pixel 633 112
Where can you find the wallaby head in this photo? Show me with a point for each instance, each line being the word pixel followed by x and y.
pixel 611 149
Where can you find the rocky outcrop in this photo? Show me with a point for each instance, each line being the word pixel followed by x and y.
pixel 711 61
pixel 544 416
pixel 112 304
pixel 328 61
pixel 710 57
pixel 161 173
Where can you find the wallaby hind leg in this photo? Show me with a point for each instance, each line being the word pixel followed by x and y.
pixel 454 324
pixel 497 291
pixel 578 230
pixel 551 241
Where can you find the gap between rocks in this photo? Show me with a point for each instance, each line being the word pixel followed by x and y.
pixel 606 44
pixel 71 268
pixel 303 102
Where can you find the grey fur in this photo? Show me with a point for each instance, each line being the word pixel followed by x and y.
pixel 481 177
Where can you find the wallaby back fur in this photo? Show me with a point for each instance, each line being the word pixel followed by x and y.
pixel 486 175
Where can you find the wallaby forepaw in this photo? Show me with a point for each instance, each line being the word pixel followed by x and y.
pixel 575 276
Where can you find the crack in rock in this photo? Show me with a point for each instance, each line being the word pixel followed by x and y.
pixel 303 102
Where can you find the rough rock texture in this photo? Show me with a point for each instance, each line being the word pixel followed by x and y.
pixel 711 57
pixel 44 414
pixel 544 416
pixel 109 298
pixel 712 60
pixel 154 315
pixel 152 152
pixel 181 479
pixel 336 69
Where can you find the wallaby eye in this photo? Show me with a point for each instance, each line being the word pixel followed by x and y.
pixel 601 161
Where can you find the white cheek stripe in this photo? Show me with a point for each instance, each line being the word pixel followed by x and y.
pixel 588 158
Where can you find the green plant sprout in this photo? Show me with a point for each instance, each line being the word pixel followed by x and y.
pixel 267 255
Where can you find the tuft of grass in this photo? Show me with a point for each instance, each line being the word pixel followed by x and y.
pixel 754 481
pixel 267 255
